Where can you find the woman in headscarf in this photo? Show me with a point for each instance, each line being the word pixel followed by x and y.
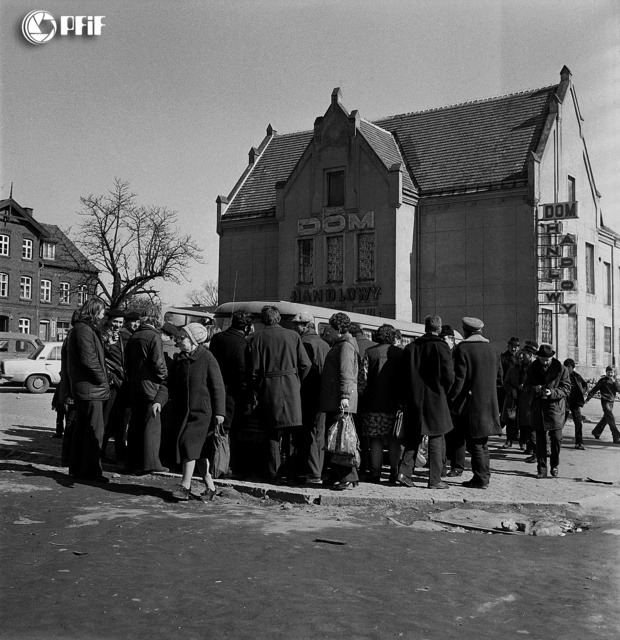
pixel 197 392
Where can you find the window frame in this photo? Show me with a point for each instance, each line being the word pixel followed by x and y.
pixel 27 249
pixel 5 242
pixel 64 293
pixel 329 175
pixel 48 251
pixel 24 322
pixel 25 288
pixel 4 284
pixel 45 290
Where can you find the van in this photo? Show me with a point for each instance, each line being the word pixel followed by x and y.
pixel 17 345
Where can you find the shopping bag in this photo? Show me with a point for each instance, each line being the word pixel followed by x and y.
pixel 221 453
pixel 343 443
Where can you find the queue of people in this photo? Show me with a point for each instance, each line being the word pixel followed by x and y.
pixel 190 396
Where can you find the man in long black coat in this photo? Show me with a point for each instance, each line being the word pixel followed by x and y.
pixel 427 377
pixel 279 363
pixel 473 397
pixel 231 351
pixel 311 440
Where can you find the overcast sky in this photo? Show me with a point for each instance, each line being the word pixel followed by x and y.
pixel 174 93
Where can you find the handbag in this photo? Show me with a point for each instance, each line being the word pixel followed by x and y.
pixel 512 413
pixel 398 430
pixel 343 443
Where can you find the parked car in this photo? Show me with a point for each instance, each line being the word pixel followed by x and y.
pixel 38 371
pixel 15 345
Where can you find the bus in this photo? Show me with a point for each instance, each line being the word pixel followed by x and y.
pixel 180 316
pixel 288 310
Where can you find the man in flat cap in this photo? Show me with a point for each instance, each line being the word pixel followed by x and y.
pixel 473 397
pixel 549 381
pixel 311 438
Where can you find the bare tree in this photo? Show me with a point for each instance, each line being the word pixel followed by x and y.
pixel 206 296
pixel 132 245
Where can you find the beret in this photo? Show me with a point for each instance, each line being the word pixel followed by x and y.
pixel 115 313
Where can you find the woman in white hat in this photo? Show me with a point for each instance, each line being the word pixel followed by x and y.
pixel 197 392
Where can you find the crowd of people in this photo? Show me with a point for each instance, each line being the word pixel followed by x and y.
pixel 239 403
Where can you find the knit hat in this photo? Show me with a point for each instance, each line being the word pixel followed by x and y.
pixel 196 332
pixel 303 318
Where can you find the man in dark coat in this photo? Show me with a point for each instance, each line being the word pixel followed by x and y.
pixel 311 438
pixel 231 350
pixel 607 386
pixel 576 400
pixel 90 389
pixel 473 397
pixel 279 363
pixel 549 383
pixel 146 373
pixel 427 377
pixel 508 359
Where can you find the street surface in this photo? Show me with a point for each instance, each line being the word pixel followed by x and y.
pixel 123 560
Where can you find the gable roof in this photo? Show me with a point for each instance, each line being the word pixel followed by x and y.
pixel 68 256
pixel 472 144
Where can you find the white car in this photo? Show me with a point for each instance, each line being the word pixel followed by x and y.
pixel 38 371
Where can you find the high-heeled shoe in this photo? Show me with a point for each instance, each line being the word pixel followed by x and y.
pixel 344 486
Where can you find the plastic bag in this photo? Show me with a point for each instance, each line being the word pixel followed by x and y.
pixel 343 443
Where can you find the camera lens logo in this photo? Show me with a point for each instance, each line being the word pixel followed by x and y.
pixel 39 27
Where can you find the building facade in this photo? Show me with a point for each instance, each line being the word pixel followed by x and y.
pixel 486 209
pixel 43 276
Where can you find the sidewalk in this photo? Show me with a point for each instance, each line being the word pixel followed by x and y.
pixel 513 481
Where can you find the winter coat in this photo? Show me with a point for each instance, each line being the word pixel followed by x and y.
pixel 608 388
pixel 427 375
pixel 513 380
pixel 197 394
pixel 382 364
pixel 278 364
pixel 548 413
pixel 146 366
pixel 578 389
pixel 230 349
pixel 339 377
pixel 473 397
pixel 64 386
pixel 86 362
pixel 317 350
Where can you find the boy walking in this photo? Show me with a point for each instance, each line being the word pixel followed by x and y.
pixel 608 386
pixel 576 400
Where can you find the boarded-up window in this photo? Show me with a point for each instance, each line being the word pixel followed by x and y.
pixel 305 265
pixel 591 341
pixel 366 257
pixel 546 326
pixel 335 259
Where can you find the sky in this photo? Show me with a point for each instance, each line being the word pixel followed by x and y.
pixel 174 93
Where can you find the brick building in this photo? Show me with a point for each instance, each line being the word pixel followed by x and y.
pixel 487 208
pixel 43 276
